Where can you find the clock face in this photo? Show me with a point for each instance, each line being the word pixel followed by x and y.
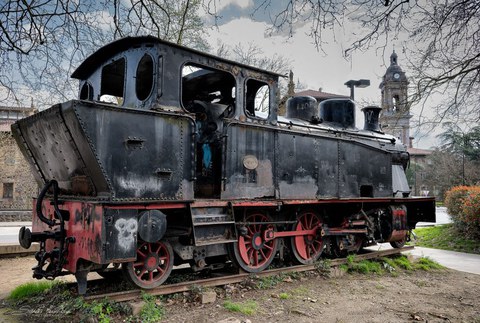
pixel 396 76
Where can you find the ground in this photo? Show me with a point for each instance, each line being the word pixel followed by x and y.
pixel 411 296
pixel 433 296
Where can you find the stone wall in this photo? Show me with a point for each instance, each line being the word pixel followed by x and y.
pixel 15 171
pixel 15 216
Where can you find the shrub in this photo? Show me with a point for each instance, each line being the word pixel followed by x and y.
pixel 454 200
pixel 463 205
pixel 471 213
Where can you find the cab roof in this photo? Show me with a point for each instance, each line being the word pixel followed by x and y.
pixel 91 63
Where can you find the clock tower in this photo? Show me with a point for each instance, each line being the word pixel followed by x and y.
pixel 395 115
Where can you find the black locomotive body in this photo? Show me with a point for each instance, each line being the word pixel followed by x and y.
pixel 174 156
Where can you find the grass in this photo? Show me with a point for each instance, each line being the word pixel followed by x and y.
pixel 403 262
pixel 56 299
pixel 365 267
pixel 447 238
pixel 426 263
pixel 102 311
pixel 247 308
pixel 271 281
pixel 151 312
pixel 388 265
pixel 284 296
pixel 300 291
pixel 31 289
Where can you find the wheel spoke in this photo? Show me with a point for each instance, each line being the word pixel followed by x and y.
pixel 309 219
pixel 307 248
pixel 263 254
pixel 163 258
pixel 138 264
pixel 141 273
pixel 255 258
pixel 139 252
pixel 268 246
pixel 160 270
pixel 158 249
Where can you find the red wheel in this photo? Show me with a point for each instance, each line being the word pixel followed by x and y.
pixel 252 253
pixel 153 265
pixel 307 248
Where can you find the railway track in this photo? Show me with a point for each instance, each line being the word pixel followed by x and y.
pixel 232 279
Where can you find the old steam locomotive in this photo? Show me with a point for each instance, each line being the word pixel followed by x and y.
pixel 173 156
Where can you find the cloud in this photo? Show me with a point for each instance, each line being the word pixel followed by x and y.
pixel 242 4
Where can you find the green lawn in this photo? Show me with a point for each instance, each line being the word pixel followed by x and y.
pixel 445 237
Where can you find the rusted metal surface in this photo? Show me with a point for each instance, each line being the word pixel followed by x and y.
pixel 153 206
pixel 399 223
pixel 240 181
pixel 85 224
pixel 233 279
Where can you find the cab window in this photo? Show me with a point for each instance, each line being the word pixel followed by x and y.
pixel 207 85
pixel 86 93
pixel 113 82
pixel 144 77
pixel 257 99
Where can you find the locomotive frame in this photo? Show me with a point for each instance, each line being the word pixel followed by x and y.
pixel 190 163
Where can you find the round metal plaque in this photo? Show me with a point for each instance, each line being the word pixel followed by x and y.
pixel 250 162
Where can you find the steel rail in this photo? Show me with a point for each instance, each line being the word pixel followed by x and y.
pixel 236 278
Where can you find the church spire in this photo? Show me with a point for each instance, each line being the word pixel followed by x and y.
pixel 393 58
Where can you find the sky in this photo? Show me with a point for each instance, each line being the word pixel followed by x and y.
pixel 315 69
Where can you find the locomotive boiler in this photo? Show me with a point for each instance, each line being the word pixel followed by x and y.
pixel 171 156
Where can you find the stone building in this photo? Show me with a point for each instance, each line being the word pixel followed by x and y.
pixel 320 96
pixel 17 184
pixel 395 120
pixel 395 116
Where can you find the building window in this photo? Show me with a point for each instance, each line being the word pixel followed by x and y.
pixel 7 190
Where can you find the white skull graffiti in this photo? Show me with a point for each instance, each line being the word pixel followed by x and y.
pixel 126 232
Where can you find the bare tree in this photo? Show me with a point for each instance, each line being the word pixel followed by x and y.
pixel 442 40
pixel 253 55
pixel 42 42
pixel 451 169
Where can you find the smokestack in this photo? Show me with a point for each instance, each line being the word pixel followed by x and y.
pixel 371 118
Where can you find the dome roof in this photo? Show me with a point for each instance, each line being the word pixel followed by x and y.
pixel 394 67
pixel 394 72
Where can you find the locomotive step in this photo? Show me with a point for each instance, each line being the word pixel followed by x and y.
pixel 205 242
pixel 214 223
pixel 211 218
